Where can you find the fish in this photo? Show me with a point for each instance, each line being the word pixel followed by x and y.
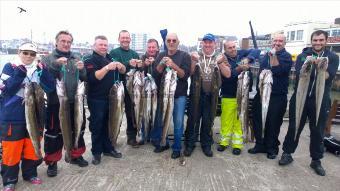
pixel 129 82
pixel 116 111
pixel 242 104
pixel 302 90
pixel 78 111
pixel 138 83
pixel 165 88
pixel 64 118
pixel 31 118
pixel 154 101
pixel 216 82
pixel 39 96
pixel 265 86
pixel 321 68
pixel 147 93
pixel 168 101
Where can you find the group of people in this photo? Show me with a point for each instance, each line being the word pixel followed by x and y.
pixel 102 68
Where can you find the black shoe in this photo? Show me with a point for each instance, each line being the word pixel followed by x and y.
pixel 236 151
pixel 207 151
pixel 52 169
pixel 256 150
pixel 286 158
pixel 221 148
pixel 188 151
pixel 113 153
pixel 271 156
pixel 160 149
pixel 175 154
pixel 96 159
pixel 133 143
pixel 80 161
pixel 316 165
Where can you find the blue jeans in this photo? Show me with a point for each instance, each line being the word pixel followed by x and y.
pixel 178 118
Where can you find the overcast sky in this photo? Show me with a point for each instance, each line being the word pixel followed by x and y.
pixel 190 19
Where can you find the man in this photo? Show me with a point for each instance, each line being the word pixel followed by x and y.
pixel 101 74
pixel 230 124
pixel 318 40
pixel 207 60
pixel 63 64
pixel 180 62
pixel 130 59
pixel 152 51
pixel 279 61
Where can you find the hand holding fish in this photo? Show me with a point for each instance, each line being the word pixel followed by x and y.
pixel 272 52
pixel 149 61
pixel 80 65
pixel 194 56
pixel 62 60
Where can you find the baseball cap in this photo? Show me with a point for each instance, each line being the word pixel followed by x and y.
pixel 28 46
pixel 209 36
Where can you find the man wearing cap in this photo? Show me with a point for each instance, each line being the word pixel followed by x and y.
pixel 16 142
pixel 208 61
pixel 230 124
pixel 65 65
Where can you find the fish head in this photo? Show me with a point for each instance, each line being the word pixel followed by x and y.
pixel 60 87
pixel 322 63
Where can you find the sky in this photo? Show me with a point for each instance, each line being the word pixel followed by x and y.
pixel 190 19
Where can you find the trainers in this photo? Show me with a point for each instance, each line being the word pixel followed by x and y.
pixel 160 149
pixel 35 180
pixel 80 161
pixel 52 169
pixel 133 143
pixel 286 158
pixel 96 159
pixel 221 148
pixel 113 153
pixel 188 151
pixel 256 149
pixel 9 187
pixel 207 151
pixel 316 165
pixel 175 154
pixel 236 151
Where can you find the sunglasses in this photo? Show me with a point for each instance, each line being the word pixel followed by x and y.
pixel 171 40
pixel 33 54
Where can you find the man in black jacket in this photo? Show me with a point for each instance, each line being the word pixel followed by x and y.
pixel 318 40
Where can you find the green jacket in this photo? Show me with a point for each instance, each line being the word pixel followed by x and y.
pixel 70 74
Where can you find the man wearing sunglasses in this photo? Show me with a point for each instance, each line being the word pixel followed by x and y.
pixel 180 62
pixel 63 64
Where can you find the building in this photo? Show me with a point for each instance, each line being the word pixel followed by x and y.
pixel 138 41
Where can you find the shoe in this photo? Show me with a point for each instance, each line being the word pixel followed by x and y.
pixel 35 180
pixel 256 150
pixel 52 169
pixel 286 158
pixel 175 154
pixel 236 151
pixel 80 161
pixel 207 151
pixel 316 165
pixel 9 187
pixel 160 149
pixel 96 159
pixel 188 151
pixel 271 156
pixel 113 153
pixel 133 143
pixel 221 148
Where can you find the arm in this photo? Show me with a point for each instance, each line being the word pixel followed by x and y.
pixel 281 64
pixel 47 81
pixel 12 78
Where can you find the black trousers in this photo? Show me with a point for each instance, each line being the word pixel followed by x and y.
pixel 316 147
pixel 276 110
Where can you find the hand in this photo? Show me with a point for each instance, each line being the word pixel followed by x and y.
pixel 194 56
pixel 111 66
pixel 245 61
pixel 169 63
pixel 272 52
pixel 40 65
pixel 220 58
pixel 149 61
pixel 80 65
pixel 133 62
pixel 119 66
pixel 139 63
pixel 62 60
pixel 244 67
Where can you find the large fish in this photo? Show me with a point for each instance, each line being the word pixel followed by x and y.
pixel 302 90
pixel 153 102
pixel 129 82
pixel 243 104
pixel 64 118
pixel 215 90
pixel 138 83
pixel 116 111
pixel 31 118
pixel 147 104
pixel 39 96
pixel 265 86
pixel 78 111
pixel 322 65
pixel 165 89
pixel 169 102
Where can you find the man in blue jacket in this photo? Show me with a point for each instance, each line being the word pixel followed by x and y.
pixel 230 124
pixel 279 61
pixel 318 40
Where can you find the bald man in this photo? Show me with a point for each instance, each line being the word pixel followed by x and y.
pixel 279 61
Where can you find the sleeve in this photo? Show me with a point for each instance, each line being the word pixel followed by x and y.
pixel 91 69
pixel 52 66
pixel 47 81
pixel 12 78
pixel 285 64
